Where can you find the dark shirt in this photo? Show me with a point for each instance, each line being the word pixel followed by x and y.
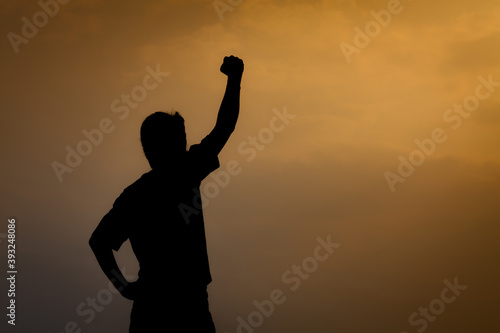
pixel 161 214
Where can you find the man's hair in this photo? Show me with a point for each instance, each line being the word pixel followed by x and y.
pixel 163 135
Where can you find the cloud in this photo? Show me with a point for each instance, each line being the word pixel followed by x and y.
pixel 322 175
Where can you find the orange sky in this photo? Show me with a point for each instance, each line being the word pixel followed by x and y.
pixel 321 172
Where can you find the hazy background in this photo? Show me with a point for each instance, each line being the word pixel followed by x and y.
pixel 322 175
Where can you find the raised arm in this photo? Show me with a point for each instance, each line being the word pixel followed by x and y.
pixel 230 106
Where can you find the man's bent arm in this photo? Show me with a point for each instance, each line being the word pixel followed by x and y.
pixel 106 259
pixel 230 106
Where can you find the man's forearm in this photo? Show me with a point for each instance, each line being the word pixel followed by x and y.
pixel 230 106
pixel 107 262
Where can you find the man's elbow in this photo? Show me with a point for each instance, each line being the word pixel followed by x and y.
pixel 230 129
pixel 226 131
pixel 225 128
pixel 95 243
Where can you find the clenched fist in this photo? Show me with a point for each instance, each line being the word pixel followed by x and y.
pixel 232 66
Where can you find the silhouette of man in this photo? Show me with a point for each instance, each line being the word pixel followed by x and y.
pixel 161 214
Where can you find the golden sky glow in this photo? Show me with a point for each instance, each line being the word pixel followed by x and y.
pixel 322 172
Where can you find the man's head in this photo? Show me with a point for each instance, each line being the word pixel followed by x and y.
pixel 163 138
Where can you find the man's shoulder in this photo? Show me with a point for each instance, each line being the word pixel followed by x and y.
pixel 136 190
